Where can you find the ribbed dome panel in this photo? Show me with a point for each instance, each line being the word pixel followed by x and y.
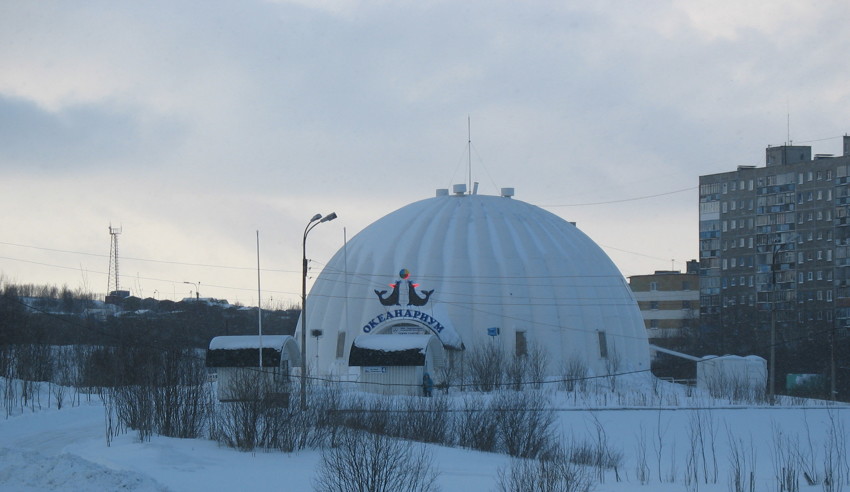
pixel 491 262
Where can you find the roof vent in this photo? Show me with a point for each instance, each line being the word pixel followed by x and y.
pixel 507 192
pixel 459 189
pixel 442 192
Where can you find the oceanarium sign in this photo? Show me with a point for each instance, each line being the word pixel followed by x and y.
pixel 404 314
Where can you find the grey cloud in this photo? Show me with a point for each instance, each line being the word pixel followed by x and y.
pixel 73 139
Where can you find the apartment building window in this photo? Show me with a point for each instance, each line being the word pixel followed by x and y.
pixel 723 208
pixel 820 274
pixel 810 175
pixel 653 305
pixel 810 276
pixel 653 286
pixel 829 255
pixel 800 278
pixel 800 178
pixel 829 174
pixel 820 295
pixel 751 189
pixel 829 296
pixel 820 194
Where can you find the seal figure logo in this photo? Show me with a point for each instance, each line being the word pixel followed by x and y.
pixel 413 298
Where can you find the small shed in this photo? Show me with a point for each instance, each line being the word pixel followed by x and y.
pixel 237 359
pixel 396 364
pixel 732 376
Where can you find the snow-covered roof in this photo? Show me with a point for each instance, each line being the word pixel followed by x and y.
pixel 244 351
pixel 392 350
pixel 393 343
pixel 248 342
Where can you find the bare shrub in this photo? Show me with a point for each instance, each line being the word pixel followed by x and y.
pixel 425 420
pixel 597 453
pixel 255 419
pixel 785 464
pixel 612 367
pixel 182 397
pixel 364 462
pixel 641 464
pixel 474 426
pixel 550 473
pixel 702 451
pixel 524 421
pixel 486 367
pixel 168 396
pixel 528 369
pixel 575 374
pixel 735 389
pixel 742 464
pixel 836 472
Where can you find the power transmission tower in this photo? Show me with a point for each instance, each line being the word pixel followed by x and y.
pixel 113 286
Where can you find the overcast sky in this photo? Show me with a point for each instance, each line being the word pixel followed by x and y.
pixel 192 125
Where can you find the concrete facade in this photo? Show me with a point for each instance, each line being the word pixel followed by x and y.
pixel 775 240
pixel 669 303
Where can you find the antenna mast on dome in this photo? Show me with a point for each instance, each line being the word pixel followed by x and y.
pixel 469 152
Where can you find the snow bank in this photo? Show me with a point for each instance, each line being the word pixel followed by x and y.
pixel 30 471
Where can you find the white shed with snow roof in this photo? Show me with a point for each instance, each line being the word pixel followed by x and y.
pixel 396 364
pixel 238 357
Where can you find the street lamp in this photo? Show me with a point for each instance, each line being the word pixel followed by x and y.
pixel 778 248
pixel 197 288
pixel 316 220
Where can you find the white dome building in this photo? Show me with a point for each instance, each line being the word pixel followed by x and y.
pixel 465 267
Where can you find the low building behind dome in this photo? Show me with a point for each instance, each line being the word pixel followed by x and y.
pixel 474 269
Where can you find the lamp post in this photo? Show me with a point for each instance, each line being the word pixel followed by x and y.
pixel 316 220
pixel 197 289
pixel 778 248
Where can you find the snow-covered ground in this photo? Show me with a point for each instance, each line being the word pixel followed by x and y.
pixel 66 449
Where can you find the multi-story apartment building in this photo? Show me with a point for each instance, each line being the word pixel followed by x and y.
pixel 669 303
pixel 775 241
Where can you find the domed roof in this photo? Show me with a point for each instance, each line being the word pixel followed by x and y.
pixel 471 263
